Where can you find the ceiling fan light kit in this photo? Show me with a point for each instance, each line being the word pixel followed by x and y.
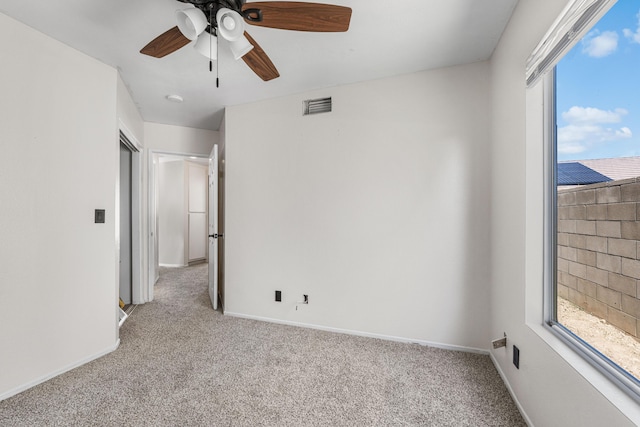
pixel 191 22
pixel 206 45
pixel 230 24
pixel 240 47
pixel 227 18
pixel 231 28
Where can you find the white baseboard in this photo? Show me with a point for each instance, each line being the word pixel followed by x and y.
pixel 47 377
pixel 360 333
pixel 173 265
pixel 513 395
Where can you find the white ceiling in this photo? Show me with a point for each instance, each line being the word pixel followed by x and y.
pixel 384 39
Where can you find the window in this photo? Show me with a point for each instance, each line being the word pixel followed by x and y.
pixel 593 188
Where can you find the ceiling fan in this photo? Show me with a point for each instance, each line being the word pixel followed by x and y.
pixel 209 19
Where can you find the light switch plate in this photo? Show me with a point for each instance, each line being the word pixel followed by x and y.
pixel 99 216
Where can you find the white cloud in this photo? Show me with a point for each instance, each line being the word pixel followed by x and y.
pixel 585 128
pixel 593 115
pixel 599 45
pixel 631 35
pixel 571 148
pixel 624 132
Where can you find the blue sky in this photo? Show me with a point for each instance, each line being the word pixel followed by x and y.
pixel 598 89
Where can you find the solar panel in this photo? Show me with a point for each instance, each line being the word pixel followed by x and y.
pixel 574 173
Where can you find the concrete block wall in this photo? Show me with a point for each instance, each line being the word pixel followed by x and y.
pixel 599 250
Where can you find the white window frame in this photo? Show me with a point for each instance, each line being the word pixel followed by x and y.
pixel 606 366
pixel 541 67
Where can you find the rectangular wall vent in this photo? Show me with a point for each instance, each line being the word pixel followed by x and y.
pixel 316 106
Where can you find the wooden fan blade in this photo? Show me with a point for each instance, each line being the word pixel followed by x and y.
pixel 300 16
pixel 166 43
pixel 259 62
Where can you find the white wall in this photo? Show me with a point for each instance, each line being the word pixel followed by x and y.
pixel 221 213
pixel 169 138
pixel 553 385
pixel 59 160
pixel 172 213
pixel 128 114
pixel 378 210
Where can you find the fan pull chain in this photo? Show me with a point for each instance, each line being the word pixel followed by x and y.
pixel 210 37
pixel 211 47
pixel 218 62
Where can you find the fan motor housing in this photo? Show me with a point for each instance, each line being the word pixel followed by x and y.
pixel 208 4
pixel 210 8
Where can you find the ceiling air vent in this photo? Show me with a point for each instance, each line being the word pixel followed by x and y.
pixel 316 106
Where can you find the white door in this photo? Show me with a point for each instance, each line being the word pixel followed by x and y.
pixel 213 227
pixel 154 226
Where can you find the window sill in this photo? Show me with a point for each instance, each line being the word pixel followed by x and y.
pixel 606 386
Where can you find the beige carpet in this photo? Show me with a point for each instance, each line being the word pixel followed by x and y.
pixel 182 364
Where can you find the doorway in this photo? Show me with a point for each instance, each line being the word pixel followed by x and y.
pixel 192 216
